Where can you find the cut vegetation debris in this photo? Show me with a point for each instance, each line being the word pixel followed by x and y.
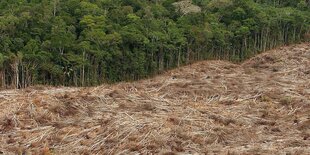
pixel 214 107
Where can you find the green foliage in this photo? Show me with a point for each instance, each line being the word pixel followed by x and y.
pixel 89 42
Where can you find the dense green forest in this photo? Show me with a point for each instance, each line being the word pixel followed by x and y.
pixel 90 42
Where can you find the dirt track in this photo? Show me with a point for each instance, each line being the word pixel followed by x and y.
pixel 214 107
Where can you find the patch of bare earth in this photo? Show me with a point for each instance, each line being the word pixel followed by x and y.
pixel 214 107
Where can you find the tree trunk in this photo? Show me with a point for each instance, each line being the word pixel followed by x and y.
pixel 179 56
pixel 2 78
pixel 15 80
pixel 55 7
pixel 83 71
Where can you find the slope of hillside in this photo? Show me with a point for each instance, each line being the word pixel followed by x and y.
pixel 259 107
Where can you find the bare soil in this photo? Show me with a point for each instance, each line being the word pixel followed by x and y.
pixel 261 106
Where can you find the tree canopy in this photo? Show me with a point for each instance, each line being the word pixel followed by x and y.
pixel 90 42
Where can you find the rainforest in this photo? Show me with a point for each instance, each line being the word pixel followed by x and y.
pixel 91 42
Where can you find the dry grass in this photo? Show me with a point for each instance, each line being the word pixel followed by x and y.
pixel 259 107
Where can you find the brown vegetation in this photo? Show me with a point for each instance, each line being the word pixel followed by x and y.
pixel 186 7
pixel 213 107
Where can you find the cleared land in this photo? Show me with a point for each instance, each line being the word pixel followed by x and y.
pixel 214 107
